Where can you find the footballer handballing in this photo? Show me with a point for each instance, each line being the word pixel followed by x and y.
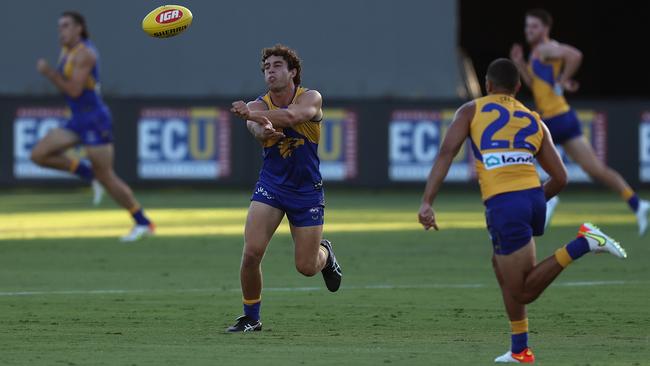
pixel 77 77
pixel 286 121
pixel 548 73
pixel 506 137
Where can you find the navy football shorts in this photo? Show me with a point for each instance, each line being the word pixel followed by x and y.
pixel 513 218
pixel 94 127
pixel 564 127
pixel 301 209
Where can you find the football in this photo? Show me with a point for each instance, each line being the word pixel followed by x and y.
pixel 167 21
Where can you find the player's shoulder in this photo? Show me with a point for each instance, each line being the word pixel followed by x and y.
pixel 311 94
pixel 258 104
pixel 85 54
pixel 466 111
pixel 522 107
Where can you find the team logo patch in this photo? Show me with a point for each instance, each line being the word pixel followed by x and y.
pixel 507 158
pixel 288 145
pixel 263 192
pixel 316 213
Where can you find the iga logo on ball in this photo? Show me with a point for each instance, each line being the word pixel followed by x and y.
pixel 167 21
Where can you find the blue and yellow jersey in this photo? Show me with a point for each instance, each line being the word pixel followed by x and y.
pixel 505 137
pixel 548 95
pixel 89 99
pixel 291 163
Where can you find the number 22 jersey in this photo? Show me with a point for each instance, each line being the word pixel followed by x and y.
pixel 505 137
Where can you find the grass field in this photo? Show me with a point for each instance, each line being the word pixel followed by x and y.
pixel 70 294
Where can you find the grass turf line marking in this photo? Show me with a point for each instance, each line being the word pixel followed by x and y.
pixel 300 289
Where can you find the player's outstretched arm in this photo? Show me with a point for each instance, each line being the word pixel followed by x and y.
pixel 517 56
pixel 261 131
pixel 82 64
pixel 454 139
pixel 549 159
pixel 306 107
pixel 572 58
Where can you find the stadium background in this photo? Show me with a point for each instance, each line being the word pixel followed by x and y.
pixel 391 73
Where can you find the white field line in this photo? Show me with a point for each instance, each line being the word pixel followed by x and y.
pixel 297 289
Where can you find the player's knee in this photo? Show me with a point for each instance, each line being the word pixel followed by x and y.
pixel 251 258
pixel 306 268
pixel 524 297
pixel 38 156
pixel 596 170
pixel 105 176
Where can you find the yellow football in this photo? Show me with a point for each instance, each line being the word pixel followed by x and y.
pixel 167 21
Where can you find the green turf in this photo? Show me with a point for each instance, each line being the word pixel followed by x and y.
pixel 409 297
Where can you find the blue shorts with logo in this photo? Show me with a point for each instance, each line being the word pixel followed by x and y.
pixel 94 127
pixel 301 209
pixel 513 218
pixel 564 127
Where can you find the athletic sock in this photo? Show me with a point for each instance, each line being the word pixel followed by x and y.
pixel 572 251
pixel 327 255
pixel 138 215
pixel 82 170
pixel 519 335
pixel 631 198
pixel 252 308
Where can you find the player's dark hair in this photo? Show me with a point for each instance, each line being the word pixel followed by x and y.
pixel 541 14
pixel 78 19
pixel 289 55
pixel 503 74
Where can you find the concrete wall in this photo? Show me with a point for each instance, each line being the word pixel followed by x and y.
pixel 353 48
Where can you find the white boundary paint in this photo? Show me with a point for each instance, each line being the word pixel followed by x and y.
pixel 300 289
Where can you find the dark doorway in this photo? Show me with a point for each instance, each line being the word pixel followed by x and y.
pixel 614 39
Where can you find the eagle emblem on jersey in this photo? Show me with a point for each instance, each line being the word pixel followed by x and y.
pixel 288 145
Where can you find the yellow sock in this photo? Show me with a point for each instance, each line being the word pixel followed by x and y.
pixel 252 302
pixel 519 326
pixel 74 164
pixel 627 193
pixel 324 250
pixel 563 258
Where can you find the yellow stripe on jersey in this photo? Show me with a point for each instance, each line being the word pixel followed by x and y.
pixel 309 129
pixel 68 68
pixel 544 75
pixel 505 137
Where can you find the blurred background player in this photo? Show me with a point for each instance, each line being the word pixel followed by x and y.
pixel 77 77
pixel 286 121
pixel 548 73
pixel 515 203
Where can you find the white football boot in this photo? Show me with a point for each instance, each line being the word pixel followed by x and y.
pixel 642 216
pixel 599 242
pixel 138 232
pixel 98 192
pixel 526 356
pixel 550 209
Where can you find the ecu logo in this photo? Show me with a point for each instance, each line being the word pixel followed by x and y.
pixel 287 145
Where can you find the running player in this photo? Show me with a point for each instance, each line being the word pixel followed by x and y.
pixel 77 77
pixel 548 73
pixel 506 137
pixel 286 121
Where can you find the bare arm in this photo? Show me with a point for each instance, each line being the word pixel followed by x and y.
pixel 261 132
pixel 304 109
pixel 517 56
pixel 82 64
pixel 571 56
pixel 549 159
pixel 454 139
